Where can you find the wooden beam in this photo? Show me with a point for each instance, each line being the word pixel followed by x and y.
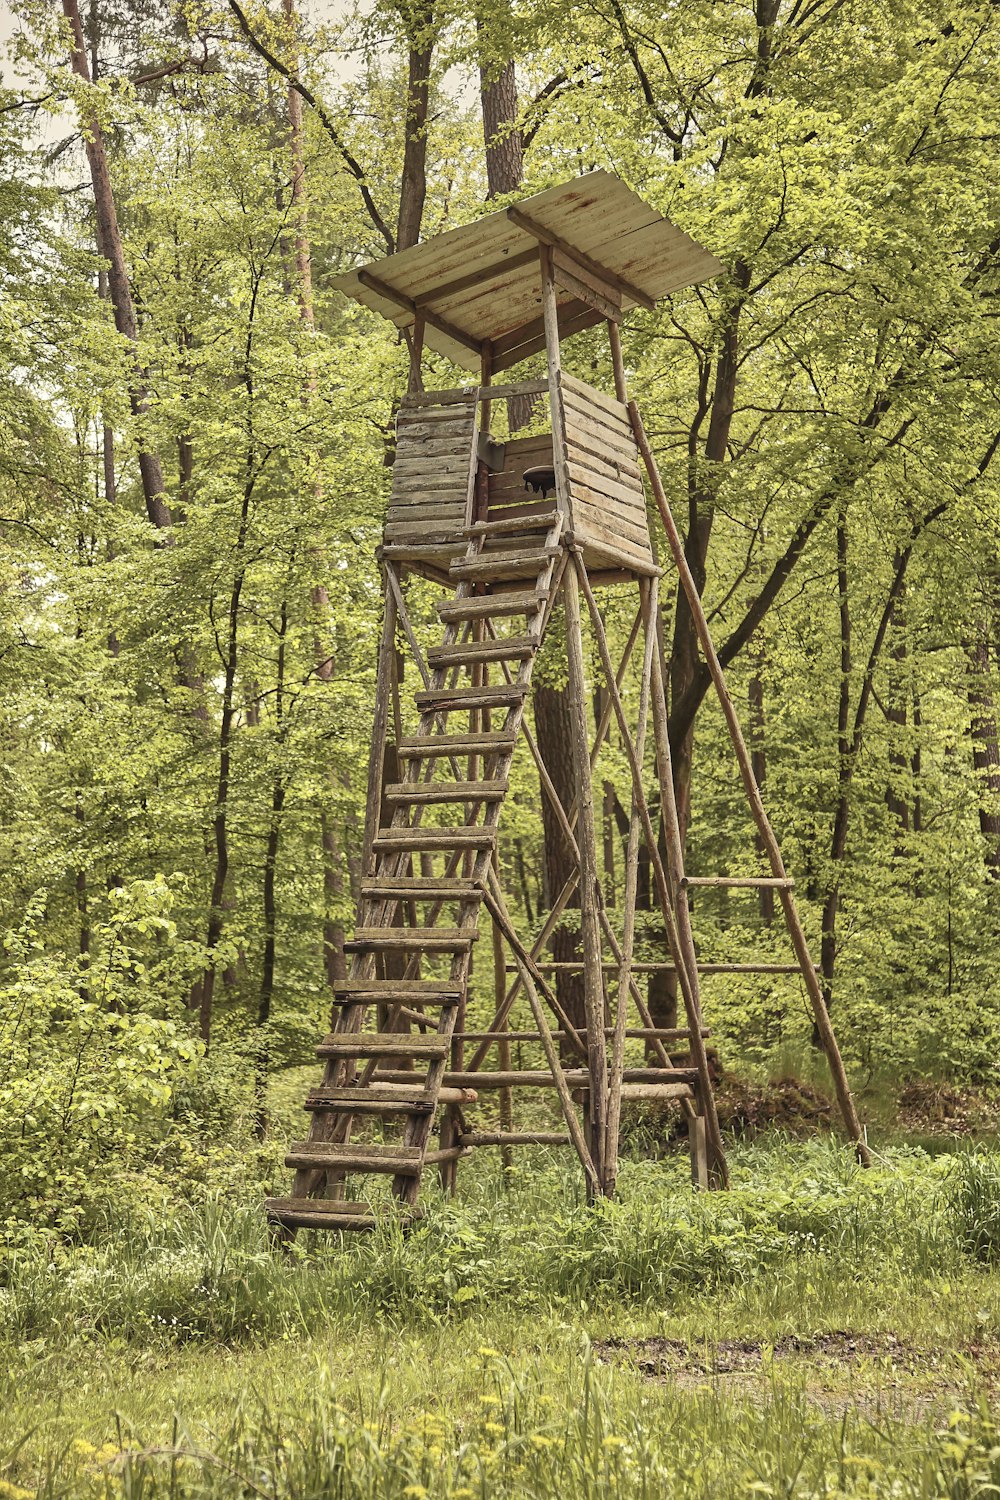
pixel 474 278
pixel 585 319
pixel 383 289
pixel 601 296
pixel 583 262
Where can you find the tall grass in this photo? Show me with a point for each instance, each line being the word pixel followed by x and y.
pixel 600 1438
pixel 209 1271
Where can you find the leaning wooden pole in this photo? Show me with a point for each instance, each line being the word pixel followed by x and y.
pixel 764 829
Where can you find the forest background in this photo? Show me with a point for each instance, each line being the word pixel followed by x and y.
pixel 194 433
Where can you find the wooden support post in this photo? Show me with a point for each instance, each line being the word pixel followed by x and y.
pixel 617 1068
pixel 698 1141
pixel 617 362
pixel 764 829
pixel 593 979
pixel 415 382
pixel 685 969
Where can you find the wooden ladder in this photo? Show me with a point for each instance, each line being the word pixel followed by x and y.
pixel 402 900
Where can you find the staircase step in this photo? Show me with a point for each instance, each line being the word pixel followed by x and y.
pixel 395 992
pixel 509 648
pixel 376 1099
pixel 320 1213
pixel 402 1161
pixel 544 521
pixel 382 1044
pixel 419 888
pixel 468 836
pixel 503 565
pixel 487 606
pixel 429 746
pixel 413 792
pixel 411 939
pixel 453 700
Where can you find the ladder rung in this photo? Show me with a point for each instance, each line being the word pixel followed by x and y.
pixel 542 1078
pixel 734 882
pixel 376 1099
pixel 395 992
pixel 435 745
pixel 485 606
pixel 506 648
pixel 423 939
pixel 453 700
pixel 411 792
pixel 511 524
pixel 419 888
pixel 333 1213
pixel 504 565
pixel 404 1161
pixel 468 836
pixel 382 1044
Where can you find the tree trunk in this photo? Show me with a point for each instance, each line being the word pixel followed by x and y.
pixel 418 22
pixel 985 749
pixel 555 743
pixel 110 245
pixel 334 964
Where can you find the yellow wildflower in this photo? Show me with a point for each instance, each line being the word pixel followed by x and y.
pixel 495 1427
pixel 10 1491
pixel 415 1492
pixel 613 1442
pixel 489 1353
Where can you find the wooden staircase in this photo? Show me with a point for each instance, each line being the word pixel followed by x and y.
pixel 414 916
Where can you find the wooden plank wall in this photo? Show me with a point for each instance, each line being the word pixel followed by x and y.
pixel 606 494
pixel 432 473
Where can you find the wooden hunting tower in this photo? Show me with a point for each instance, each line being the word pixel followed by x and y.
pixel 511 527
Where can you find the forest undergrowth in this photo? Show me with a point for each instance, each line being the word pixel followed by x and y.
pixel 502 1347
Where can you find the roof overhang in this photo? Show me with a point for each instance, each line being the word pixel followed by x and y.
pixel 480 283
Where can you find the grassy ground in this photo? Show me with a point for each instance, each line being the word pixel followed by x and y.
pixel 817 1331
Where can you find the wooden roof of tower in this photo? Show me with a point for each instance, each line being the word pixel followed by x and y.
pixel 480 282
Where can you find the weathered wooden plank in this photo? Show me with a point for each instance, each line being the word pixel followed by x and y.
pixel 588 426
pixel 572 281
pixel 594 397
pixel 586 262
pixel 431 466
pixel 467 395
pixel 602 484
pixel 383 1044
pixel 621 467
pixel 482 606
pixel 590 520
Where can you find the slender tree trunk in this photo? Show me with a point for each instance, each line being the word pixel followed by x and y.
pixel 334 963
pixel 270 905
pixel 985 748
pixel 110 244
pixel 555 745
pixel 897 715
pixel 845 767
pixel 418 23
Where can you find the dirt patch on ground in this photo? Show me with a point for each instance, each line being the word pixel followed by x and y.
pixel 788 1104
pixel 891 1377
pixel 941 1109
pixel 662 1356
